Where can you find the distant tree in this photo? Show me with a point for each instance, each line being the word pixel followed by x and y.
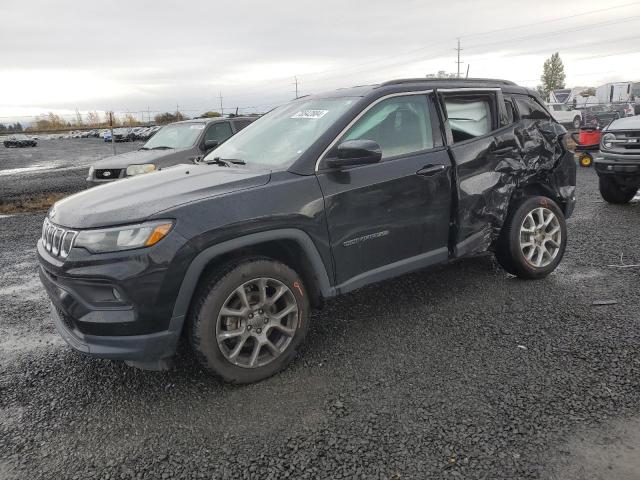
pixel 210 114
pixel 3 127
pixel 93 119
pixel 168 117
pixel 79 122
pixel 130 120
pixel 552 75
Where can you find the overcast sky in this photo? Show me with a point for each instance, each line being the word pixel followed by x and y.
pixel 133 55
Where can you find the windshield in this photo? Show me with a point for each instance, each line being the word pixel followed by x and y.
pixel 177 135
pixel 281 136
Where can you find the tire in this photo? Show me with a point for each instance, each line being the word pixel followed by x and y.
pixel 528 249
pixel 576 122
pixel 255 327
pixel 613 192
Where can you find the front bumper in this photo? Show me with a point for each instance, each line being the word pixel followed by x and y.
pixel 133 348
pixel 117 305
pixel 619 165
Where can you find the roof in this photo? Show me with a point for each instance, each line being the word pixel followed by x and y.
pixel 426 83
pixel 213 119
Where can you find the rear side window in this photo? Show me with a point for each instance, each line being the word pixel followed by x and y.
pixel 529 109
pixel 469 116
pixel 240 124
pixel 400 125
pixel 219 132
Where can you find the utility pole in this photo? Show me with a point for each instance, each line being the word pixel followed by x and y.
pixel 148 115
pixel 458 49
pixel 113 141
pixel 221 107
pixel 295 82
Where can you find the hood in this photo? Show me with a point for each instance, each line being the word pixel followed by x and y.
pixel 137 198
pixel 136 157
pixel 626 123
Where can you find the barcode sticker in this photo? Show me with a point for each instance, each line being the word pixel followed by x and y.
pixel 310 114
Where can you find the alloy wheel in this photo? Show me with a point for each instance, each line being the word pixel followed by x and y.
pixel 540 237
pixel 257 322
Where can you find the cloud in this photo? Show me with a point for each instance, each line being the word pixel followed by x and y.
pixel 134 55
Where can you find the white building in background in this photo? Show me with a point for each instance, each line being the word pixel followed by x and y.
pixel 618 92
pixel 568 95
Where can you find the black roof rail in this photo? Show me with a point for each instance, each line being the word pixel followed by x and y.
pixel 401 81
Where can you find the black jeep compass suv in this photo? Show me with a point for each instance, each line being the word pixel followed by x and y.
pixel 318 197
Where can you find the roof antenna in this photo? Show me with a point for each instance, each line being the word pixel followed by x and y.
pixel 468 65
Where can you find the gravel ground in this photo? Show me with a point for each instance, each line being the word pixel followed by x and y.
pixel 458 372
pixel 53 166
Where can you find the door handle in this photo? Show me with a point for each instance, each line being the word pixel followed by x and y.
pixel 429 170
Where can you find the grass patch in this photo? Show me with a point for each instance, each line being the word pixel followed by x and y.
pixel 31 203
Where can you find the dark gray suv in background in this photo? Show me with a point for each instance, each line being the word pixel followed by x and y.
pixel 319 197
pixel 180 142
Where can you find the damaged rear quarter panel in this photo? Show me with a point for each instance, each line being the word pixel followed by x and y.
pixel 493 170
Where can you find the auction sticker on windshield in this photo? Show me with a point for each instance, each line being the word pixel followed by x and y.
pixel 310 114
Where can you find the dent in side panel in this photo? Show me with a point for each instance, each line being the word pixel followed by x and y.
pixel 492 168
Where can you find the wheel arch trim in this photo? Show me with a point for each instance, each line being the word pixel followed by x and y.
pixel 203 259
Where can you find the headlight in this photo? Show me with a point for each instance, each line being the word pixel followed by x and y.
pixel 139 169
pixel 123 238
pixel 608 139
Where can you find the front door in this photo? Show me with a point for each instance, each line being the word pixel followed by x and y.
pixel 392 216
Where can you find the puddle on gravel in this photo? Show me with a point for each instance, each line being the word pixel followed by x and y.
pixel 578 275
pixel 607 453
pixel 12 343
pixel 29 290
pixel 10 416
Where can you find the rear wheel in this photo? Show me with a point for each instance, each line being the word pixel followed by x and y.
pixel 533 238
pixel 249 320
pixel 613 192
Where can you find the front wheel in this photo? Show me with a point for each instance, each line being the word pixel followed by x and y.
pixel 249 319
pixel 613 192
pixel 576 122
pixel 533 238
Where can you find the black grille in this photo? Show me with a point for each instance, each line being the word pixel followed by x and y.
pixel 56 240
pixel 108 173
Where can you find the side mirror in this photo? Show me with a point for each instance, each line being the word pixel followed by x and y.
pixel 209 144
pixel 355 152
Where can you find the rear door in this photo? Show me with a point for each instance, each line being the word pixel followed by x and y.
pixel 480 127
pixel 393 216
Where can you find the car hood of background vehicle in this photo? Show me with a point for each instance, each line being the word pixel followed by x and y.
pixel 137 198
pixel 626 123
pixel 136 157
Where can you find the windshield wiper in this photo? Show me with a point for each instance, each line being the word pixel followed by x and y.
pixel 227 162
pixel 161 147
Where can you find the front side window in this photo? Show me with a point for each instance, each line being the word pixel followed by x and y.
pixel 281 136
pixel 177 135
pixel 218 132
pixel 469 116
pixel 530 109
pixel 400 125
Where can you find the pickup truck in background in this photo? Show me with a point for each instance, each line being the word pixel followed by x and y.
pixel 566 115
